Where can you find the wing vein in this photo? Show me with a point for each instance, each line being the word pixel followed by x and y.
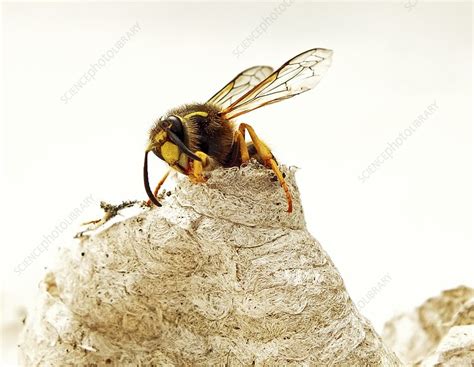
pixel 296 76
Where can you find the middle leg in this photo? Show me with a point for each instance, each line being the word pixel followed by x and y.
pixel 239 153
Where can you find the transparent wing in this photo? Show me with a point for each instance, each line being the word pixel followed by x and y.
pixel 240 85
pixel 296 76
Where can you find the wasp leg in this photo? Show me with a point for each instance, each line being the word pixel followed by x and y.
pixel 269 161
pixel 239 153
pixel 244 152
pixel 198 166
pixel 158 186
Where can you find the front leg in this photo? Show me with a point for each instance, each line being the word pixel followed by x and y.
pixel 196 175
pixel 158 186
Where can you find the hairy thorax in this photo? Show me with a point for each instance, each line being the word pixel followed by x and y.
pixel 206 131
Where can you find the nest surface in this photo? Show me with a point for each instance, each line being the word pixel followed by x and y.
pixel 220 275
pixel 440 332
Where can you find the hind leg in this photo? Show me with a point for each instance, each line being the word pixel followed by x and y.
pixel 268 160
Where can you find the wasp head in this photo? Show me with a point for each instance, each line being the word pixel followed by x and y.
pixel 166 140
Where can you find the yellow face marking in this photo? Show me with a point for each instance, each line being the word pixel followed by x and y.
pixel 170 153
pixel 160 137
pixel 198 113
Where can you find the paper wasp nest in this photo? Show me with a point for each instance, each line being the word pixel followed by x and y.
pixel 220 275
pixel 440 332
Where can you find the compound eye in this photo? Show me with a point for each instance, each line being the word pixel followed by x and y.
pixel 175 125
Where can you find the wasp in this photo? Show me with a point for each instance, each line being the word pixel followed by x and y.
pixel 196 138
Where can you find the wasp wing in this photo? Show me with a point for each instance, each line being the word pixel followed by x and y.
pixel 241 84
pixel 296 76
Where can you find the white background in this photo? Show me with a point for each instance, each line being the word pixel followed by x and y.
pixel 411 220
